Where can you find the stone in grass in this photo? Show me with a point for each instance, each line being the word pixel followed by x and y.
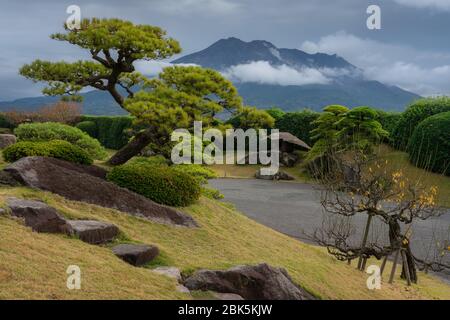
pixel 260 282
pixel 37 215
pixel 136 254
pixel 93 232
pixel 171 272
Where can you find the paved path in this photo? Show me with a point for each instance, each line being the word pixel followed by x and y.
pixel 294 208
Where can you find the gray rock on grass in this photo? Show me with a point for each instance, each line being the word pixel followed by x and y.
pixel 37 215
pixel 136 254
pixel 93 232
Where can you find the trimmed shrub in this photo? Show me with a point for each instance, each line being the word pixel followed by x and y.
pixel 414 114
pixel 199 172
pixel 149 161
pixel 429 146
pixel 59 149
pixel 300 124
pixel 111 131
pixel 89 127
pixel 56 131
pixel 163 185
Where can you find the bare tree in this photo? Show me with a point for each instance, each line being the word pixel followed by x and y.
pixel 362 185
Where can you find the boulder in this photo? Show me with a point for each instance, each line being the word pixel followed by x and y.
pixel 280 175
pixel 260 282
pixel 226 296
pixel 87 184
pixel 6 140
pixel 182 289
pixel 171 272
pixel 7 179
pixel 136 254
pixel 93 232
pixel 37 215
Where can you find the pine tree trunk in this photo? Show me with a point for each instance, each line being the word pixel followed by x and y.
pixel 134 147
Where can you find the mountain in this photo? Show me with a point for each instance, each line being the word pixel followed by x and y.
pixel 94 103
pixel 268 76
pixel 344 83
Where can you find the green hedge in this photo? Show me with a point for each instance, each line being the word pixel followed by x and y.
pixel 59 149
pixel 414 114
pixel 300 124
pixel 429 146
pixel 161 184
pixel 389 120
pixel 111 131
pixel 90 127
pixel 48 131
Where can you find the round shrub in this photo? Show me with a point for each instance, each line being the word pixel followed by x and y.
pixel 414 114
pixel 429 146
pixel 56 149
pixel 160 184
pixel 89 127
pixel 48 131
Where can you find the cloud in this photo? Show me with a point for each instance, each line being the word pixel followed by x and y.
pixel 263 72
pixel 200 6
pixel 153 68
pixel 435 4
pixel 422 72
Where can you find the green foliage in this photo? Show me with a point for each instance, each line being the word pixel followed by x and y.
pixel 5 123
pixel 163 185
pixel 149 161
pixel 389 121
pixel 360 128
pixel 182 95
pixel 199 172
pixel 429 145
pixel 276 113
pixel 252 118
pixel 114 46
pixel 111 131
pixel 59 149
pixel 414 114
pixel 177 98
pixel 48 131
pixel 338 129
pixel 90 127
pixel 300 124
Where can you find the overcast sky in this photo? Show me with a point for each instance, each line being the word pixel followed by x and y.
pixel 412 50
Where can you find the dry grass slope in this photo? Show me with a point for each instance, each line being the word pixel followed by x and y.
pixel 33 265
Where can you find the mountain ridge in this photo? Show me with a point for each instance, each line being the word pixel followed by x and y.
pixel 339 81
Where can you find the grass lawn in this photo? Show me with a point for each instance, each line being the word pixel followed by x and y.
pixel 398 160
pixel 33 265
pixel 237 171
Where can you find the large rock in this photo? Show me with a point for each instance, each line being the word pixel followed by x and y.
pixel 86 183
pixel 260 282
pixel 136 254
pixel 93 232
pixel 6 140
pixel 37 215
